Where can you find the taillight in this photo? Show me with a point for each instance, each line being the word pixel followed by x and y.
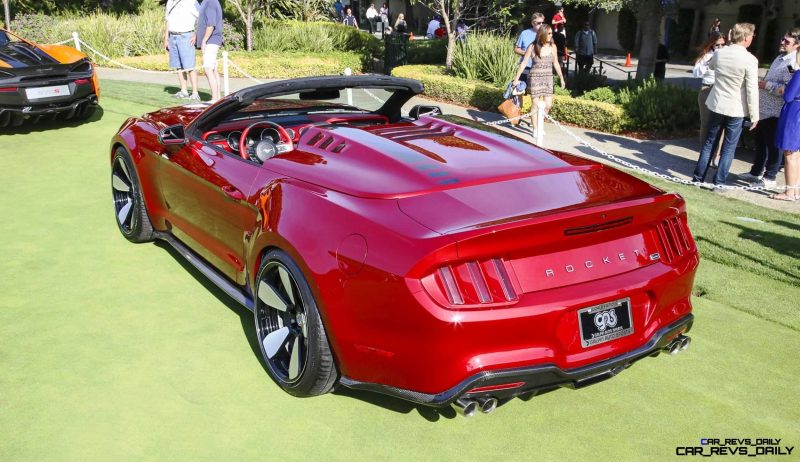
pixel 81 81
pixel 472 284
pixel 676 240
pixel 7 89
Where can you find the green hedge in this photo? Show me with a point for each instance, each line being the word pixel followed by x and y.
pixel 266 65
pixel 584 113
pixel 427 51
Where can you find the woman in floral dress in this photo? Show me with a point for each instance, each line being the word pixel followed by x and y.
pixel 540 79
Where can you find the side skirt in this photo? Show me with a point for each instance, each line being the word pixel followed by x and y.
pixel 224 284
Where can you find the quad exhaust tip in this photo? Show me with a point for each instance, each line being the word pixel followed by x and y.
pixel 487 404
pixel 680 343
pixel 466 407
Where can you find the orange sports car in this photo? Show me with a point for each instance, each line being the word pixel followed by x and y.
pixel 38 81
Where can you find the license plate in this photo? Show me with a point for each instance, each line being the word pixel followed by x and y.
pixel 605 322
pixel 47 92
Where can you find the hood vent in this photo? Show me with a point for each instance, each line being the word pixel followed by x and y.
pixel 427 130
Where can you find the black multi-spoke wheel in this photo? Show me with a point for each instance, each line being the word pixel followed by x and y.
pixel 291 335
pixel 129 206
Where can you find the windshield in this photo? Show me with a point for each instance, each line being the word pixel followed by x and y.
pixel 354 101
pixel 6 38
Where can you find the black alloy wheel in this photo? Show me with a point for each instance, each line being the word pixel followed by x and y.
pixel 129 207
pixel 293 342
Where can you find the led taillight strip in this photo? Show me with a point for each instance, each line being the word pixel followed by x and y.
pixel 477 282
pixel 674 238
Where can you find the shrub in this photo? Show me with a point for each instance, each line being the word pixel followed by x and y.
pixel 268 65
pixel 315 37
pixel 595 115
pixel 427 51
pixel 603 94
pixel 581 82
pixel 657 106
pixel 485 56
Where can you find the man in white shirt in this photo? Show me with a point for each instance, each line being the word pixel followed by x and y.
pixel 179 40
pixel 733 97
pixel 372 16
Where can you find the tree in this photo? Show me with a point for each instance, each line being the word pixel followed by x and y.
pixel 246 9
pixel 649 13
pixel 469 11
pixel 8 14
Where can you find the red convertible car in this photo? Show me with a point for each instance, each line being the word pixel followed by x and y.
pixel 415 254
pixel 38 81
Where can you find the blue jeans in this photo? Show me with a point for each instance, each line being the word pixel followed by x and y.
pixel 769 158
pixel 733 129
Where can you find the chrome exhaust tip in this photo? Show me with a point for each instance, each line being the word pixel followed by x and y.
pixel 685 342
pixel 466 407
pixel 673 347
pixel 487 404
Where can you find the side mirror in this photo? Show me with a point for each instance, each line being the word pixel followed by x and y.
pixel 423 110
pixel 172 136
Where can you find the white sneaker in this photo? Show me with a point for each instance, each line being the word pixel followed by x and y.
pixel 181 95
pixel 195 96
pixel 750 178
pixel 765 183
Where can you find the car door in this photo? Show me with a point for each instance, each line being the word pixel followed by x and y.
pixel 206 192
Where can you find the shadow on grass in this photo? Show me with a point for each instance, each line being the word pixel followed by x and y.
pixel 51 123
pixel 245 315
pixel 780 243
pixel 789 276
pixel 248 327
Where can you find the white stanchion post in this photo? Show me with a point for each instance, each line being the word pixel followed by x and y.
pixel 76 40
pixel 349 72
pixel 226 84
pixel 540 123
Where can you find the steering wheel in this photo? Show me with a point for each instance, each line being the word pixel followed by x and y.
pixel 264 149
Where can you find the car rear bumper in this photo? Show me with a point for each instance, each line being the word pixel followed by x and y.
pixel 15 115
pixel 532 379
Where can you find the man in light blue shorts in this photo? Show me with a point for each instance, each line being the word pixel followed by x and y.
pixel 179 39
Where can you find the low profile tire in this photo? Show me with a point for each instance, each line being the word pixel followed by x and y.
pixel 289 329
pixel 129 207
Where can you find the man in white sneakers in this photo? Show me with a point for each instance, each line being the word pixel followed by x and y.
pixel 209 39
pixel 179 40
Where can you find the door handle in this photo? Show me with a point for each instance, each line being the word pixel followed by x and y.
pixel 233 193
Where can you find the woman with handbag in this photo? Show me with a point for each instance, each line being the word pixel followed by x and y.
pixel 540 79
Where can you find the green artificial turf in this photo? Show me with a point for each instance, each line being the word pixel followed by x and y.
pixel 115 351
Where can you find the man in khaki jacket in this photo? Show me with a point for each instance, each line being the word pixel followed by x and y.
pixel 733 97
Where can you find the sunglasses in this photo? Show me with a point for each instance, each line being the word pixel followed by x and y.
pixel 787 41
pixel 538 23
pixel 719 45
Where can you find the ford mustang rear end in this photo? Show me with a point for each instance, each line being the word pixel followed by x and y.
pixel 427 257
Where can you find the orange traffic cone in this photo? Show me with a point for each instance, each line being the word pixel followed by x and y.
pixel 628 61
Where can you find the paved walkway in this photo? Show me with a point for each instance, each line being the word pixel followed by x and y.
pixel 671 157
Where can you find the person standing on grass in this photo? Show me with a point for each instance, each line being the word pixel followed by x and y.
pixel 179 40
pixel 769 158
pixel 733 97
pixel 787 135
pixel 701 71
pixel 543 52
pixel 209 39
